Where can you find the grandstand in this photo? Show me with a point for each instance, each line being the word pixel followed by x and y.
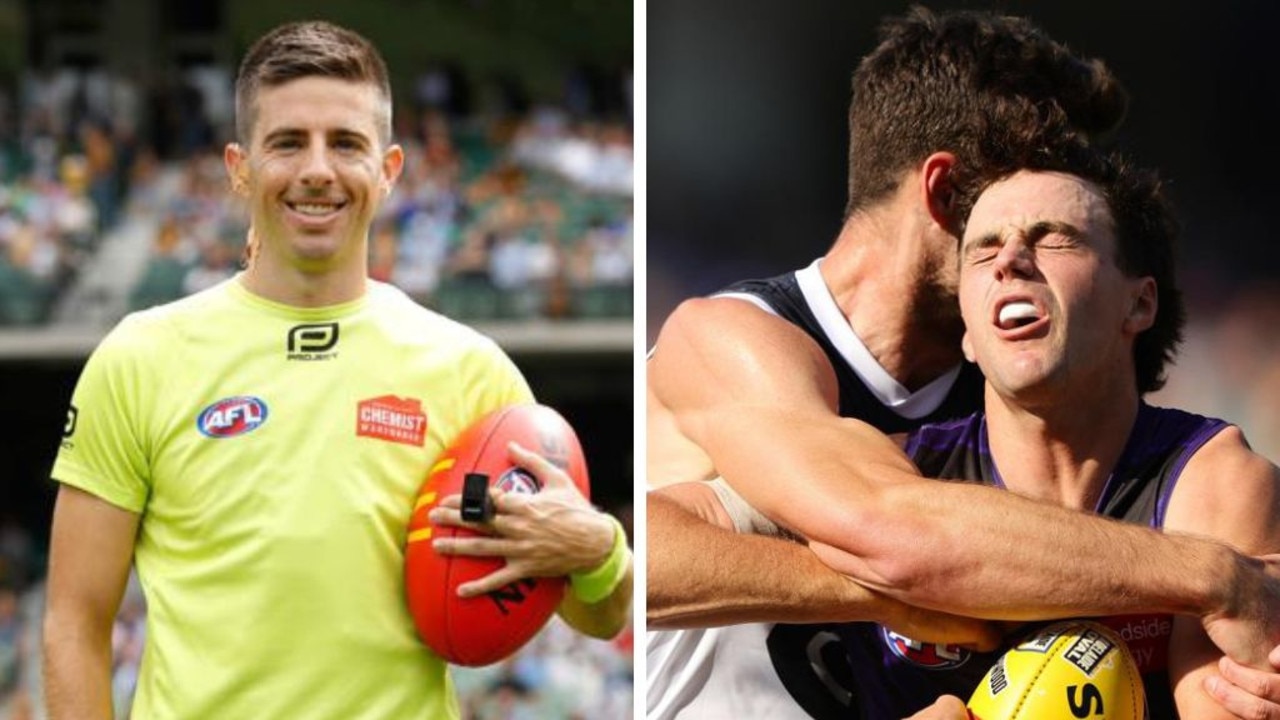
pixel 514 214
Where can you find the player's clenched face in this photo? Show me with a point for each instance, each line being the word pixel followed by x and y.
pixel 315 171
pixel 1044 304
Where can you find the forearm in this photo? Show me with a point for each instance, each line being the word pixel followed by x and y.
pixel 77 669
pixel 722 577
pixel 599 599
pixel 702 575
pixel 603 619
pixel 977 551
pixel 957 547
pixel 91 546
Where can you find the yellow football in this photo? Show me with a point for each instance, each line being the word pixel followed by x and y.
pixel 1073 669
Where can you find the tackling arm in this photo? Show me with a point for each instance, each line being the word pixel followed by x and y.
pixel 90 552
pixel 785 579
pixel 757 395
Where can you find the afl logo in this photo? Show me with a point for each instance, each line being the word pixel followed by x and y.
pixel 517 480
pixel 232 416
pixel 925 655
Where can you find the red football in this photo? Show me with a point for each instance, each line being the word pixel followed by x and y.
pixel 488 628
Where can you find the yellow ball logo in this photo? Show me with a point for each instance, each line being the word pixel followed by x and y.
pixel 1069 670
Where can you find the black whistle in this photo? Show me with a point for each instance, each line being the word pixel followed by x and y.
pixel 477 506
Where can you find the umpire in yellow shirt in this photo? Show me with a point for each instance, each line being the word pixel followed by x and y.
pixel 214 442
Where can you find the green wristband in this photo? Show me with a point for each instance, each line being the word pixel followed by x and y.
pixel 597 584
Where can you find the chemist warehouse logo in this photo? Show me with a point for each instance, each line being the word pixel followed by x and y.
pixel 232 416
pixel 394 419
pixel 312 342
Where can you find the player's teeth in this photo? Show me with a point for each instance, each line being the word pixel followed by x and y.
pixel 1019 310
pixel 311 209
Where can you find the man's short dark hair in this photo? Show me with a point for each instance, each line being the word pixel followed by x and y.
pixel 1146 228
pixel 947 82
pixel 306 49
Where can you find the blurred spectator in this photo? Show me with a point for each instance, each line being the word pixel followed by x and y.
pixel 217 263
pixel 506 699
pixel 100 173
pixel 559 674
pixel 167 268
pixel 18 661
pixel 75 214
pixel 64 177
pixel 11 648
pixel 610 250
pixel 471 262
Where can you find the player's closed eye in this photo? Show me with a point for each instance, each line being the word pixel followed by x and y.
pixel 981 251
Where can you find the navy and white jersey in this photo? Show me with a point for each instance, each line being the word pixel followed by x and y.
pixel 716 672
pixel 807 658
pixel 867 391
pixel 895 676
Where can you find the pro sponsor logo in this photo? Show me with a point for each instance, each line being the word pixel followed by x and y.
pixel 1087 652
pixel 315 341
pixel 232 416
pixel 518 480
pixel 394 419
pixel 69 429
pixel 926 655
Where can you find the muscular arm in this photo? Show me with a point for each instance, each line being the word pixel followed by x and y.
pixel 757 395
pixel 785 578
pixel 90 553
pixel 1229 493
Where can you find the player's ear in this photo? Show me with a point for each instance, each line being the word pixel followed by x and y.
pixel 233 157
pixel 392 165
pixel 967 348
pixel 938 191
pixel 1142 307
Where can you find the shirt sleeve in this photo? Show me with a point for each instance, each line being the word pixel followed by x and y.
pixel 104 450
pixel 494 381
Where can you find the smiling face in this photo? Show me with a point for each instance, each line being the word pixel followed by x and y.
pixel 315 172
pixel 1046 309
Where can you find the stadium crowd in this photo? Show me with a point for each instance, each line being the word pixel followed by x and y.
pixel 520 211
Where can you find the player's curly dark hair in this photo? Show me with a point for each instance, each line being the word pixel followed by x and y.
pixel 1146 227
pixel 305 49
pixel 951 81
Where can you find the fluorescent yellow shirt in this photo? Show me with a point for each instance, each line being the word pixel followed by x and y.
pixel 274 454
